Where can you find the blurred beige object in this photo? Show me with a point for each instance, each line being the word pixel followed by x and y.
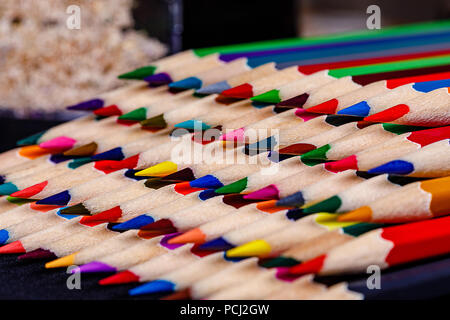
pixel 46 66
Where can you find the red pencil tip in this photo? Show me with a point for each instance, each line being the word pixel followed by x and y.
pixel 108 111
pixel 109 215
pixel 311 266
pixel 163 224
pixel 344 164
pixel 244 91
pixel 13 247
pixel 121 277
pixel 390 114
pixel 328 107
pixel 108 166
pixel 30 191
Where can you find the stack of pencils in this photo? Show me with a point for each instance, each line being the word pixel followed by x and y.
pixel 275 170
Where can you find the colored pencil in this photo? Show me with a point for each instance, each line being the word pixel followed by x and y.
pixel 154 267
pixel 318 245
pixel 430 161
pixel 164 98
pixel 145 249
pixel 395 96
pixel 221 73
pixel 298 232
pixel 119 242
pixel 261 129
pixel 424 281
pixel 359 140
pixel 182 278
pixel 247 76
pixel 389 150
pixel 367 191
pixel 383 247
pixel 261 227
pixel 231 221
pixel 292 140
pixel 298 87
pixel 361 75
pixel 423 200
pixel 430 109
pixel 386 83
pixel 189 56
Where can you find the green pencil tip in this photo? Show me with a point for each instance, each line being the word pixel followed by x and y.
pixel 331 204
pixel 235 187
pixel 317 154
pixel 139 73
pixel 272 96
pixel 33 139
pixel 135 115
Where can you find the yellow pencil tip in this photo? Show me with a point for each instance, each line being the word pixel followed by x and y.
pixel 61 262
pixel 160 170
pixel 258 248
pixel 363 214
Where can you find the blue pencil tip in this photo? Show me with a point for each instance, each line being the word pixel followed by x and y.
pixel 113 154
pixel 153 287
pixel 135 223
pixel 393 167
pixel 206 194
pixel 217 87
pixel 7 188
pixel 193 125
pixel 218 244
pixel 89 105
pixel 295 199
pixel 4 236
pixel 360 109
pixel 187 83
pixel 208 182
pixel 59 199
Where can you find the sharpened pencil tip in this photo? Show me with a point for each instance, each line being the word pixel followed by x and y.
pixel 389 115
pixel 217 88
pixel 192 236
pixel 311 266
pixel 108 111
pixel 327 107
pixel 121 277
pixel 258 248
pixel 58 144
pixel 61 262
pixel 139 73
pixel 89 105
pixel 272 97
pixel 360 109
pixel 187 83
pixel 362 214
pixel 8 188
pixel 155 286
pixel 244 91
pixel 393 167
pixel 13 247
pixel 158 79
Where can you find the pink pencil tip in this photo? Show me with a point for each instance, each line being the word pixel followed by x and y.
pixel 58 143
pixel 267 193
pixel 235 135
